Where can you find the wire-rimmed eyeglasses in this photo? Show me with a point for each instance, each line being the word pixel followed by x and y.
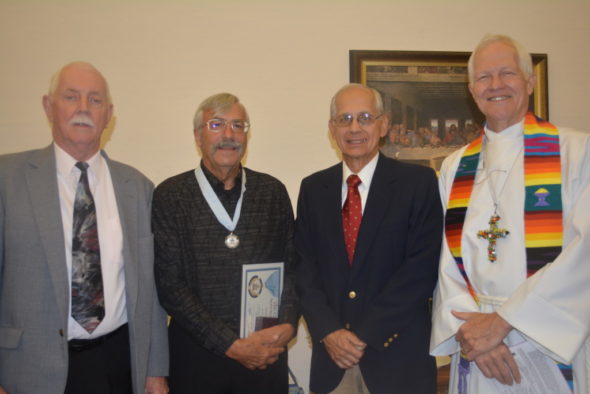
pixel 218 124
pixel 363 118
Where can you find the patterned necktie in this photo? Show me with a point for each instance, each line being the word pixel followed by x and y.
pixel 87 287
pixel 352 215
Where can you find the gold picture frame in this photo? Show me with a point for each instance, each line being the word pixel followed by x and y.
pixel 425 93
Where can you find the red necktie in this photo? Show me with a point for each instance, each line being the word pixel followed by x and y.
pixel 352 215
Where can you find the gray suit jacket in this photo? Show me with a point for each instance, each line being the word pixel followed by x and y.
pixel 34 287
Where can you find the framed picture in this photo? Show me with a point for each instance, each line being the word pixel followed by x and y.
pixel 431 110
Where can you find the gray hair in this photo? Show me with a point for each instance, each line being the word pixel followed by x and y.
pixel 525 62
pixel 55 78
pixel 219 103
pixel 376 95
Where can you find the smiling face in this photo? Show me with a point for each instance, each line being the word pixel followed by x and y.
pixel 223 150
pixel 79 110
pixel 499 87
pixel 358 143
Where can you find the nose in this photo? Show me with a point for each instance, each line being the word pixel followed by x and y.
pixel 228 132
pixel 354 124
pixel 496 82
pixel 83 106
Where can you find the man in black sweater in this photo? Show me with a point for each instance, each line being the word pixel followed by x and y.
pixel 207 224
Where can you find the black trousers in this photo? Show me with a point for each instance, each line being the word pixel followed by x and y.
pixel 194 369
pixel 102 366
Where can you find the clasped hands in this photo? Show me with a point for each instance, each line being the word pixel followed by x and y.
pixel 261 348
pixel 344 347
pixel 481 339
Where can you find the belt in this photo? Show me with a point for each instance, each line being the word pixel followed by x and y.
pixel 80 345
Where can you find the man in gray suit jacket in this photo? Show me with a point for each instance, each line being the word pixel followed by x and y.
pixel 46 261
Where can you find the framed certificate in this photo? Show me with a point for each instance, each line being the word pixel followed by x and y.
pixel 262 286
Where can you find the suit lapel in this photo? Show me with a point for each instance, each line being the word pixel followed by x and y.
pixel 332 206
pixel 378 202
pixel 127 207
pixel 41 179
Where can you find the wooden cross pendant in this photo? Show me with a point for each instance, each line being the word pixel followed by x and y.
pixel 492 234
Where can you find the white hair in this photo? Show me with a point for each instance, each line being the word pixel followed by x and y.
pixel 55 78
pixel 219 103
pixel 376 95
pixel 524 58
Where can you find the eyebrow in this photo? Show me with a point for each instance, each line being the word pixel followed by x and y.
pixel 73 90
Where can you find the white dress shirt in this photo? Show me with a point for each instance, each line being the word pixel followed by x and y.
pixel 110 237
pixel 366 176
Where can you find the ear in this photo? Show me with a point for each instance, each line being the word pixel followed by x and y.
pixel 48 107
pixel 470 87
pixel 332 128
pixel 109 113
pixel 384 125
pixel 197 135
pixel 531 81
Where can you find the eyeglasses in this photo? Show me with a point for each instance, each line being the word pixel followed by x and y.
pixel 237 125
pixel 363 118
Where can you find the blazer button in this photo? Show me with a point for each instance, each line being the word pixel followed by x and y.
pixel 386 344
pixel 61 332
pixel 347 326
pixel 352 294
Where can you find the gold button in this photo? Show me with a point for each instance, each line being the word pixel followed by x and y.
pixel 386 344
pixel 347 326
pixel 395 335
pixel 390 339
pixel 352 294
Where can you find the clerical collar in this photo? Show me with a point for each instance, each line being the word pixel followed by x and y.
pixel 515 130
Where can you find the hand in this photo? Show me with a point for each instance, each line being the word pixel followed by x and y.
pixel 154 385
pixel 2 391
pixel 276 336
pixel 253 353
pixel 499 364
pixel 480 333
pixel 345 348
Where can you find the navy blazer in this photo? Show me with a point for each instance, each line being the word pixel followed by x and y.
pixel 384 297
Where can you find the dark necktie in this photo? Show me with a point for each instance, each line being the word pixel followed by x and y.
pixel 87 286
pixel 352 215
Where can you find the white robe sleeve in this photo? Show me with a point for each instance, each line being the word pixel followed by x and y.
pixel 552 307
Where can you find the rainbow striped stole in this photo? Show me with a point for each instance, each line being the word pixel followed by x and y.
pixel 458 204
pixel 543 222
pixel 543 207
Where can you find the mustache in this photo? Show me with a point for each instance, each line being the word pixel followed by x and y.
pixel 227 144
pixel 81 119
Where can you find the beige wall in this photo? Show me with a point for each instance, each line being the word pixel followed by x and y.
pixel 284 59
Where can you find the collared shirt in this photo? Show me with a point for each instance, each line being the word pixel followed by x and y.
pixel 110 236
pixel 366 176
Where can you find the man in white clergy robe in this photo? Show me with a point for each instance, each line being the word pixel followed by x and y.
pixel 546 309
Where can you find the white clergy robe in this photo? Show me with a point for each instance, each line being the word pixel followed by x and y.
pixel 551 309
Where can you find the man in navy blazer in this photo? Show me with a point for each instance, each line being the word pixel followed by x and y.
pixel 43 349
pixel 367 306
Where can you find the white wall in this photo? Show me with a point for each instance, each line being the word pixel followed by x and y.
pixel 283 59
